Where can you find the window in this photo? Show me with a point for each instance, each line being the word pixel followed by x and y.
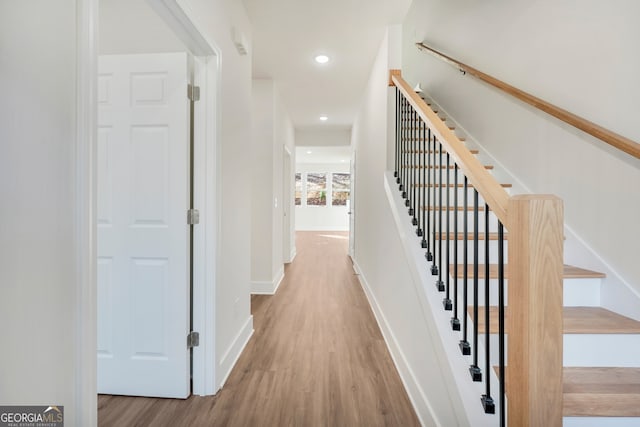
pixel 316 189
pixel 298 195
pixel 341 185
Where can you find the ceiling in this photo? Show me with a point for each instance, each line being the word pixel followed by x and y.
pixel 323 155
pixel 288 34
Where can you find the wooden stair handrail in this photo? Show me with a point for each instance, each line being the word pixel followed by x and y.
pixel 492 191
pixel 616 140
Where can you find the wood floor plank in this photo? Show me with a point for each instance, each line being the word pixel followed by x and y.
pixel 317 358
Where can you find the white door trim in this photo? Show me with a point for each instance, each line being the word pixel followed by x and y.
pixel 86 410
pixel 206 186
pixel 206 234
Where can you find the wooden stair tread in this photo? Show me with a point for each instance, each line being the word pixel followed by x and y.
pixel 492 236
pixel 472 151
pixel 488 167
pixel 451 208
pixel 597 320
pixel 504 185
pixel 569 272
pixel 577 320
pixel 601 392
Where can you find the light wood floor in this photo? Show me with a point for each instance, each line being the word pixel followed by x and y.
pixel 317 358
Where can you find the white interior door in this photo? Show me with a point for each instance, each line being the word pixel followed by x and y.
pixel 286 205
pixel 352 207
pixel 143 236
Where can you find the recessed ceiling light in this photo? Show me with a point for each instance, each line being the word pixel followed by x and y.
pixel 322 59
pixel 324 118
pixel 309 152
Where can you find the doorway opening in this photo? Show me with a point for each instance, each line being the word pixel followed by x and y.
pixel 322 188
pixel 157 203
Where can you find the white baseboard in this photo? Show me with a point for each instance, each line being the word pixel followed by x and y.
pixel 268 288
pixel 234 351
pixel 414 391
pixel 292 255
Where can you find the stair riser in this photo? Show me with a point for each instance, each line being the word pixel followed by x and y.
pixel 493 251
pixel 621 350
pixel 588 350
pixel 460 192
pixel 581 292
pixel 599 422
pixel 576 292
pixel 493 224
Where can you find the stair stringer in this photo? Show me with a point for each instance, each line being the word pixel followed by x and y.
pixel 457 364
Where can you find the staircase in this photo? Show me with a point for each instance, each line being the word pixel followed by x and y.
pixel 601 382
pixel 601 349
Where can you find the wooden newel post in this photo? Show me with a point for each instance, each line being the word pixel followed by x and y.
pixel 534 312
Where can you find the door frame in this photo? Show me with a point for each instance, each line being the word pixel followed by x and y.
pixel 206 187
pixel 207 194
pixel 288 247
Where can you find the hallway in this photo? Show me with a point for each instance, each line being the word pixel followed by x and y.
pixel 317 358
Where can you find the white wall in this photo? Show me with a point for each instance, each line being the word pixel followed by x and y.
pixel 40 285
pixel 233 302
pixel 272 131
pixel 322 218
pixel 581 57
pixel 131 26
pixel 329 137
pixel 383 267
pixel 262 211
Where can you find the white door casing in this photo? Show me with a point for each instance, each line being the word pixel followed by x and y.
pixel 143 236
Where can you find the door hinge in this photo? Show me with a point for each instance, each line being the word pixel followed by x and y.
pixel 193 339
pixel 193 93
pixel 193 217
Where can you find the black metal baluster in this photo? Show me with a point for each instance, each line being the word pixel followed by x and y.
pixel 455 321
pixel 414 156
pixel 476 372
pixel 401 177
pixel 501 323
pixel 446 302
pixel 437 263
pixel 407 201
pixel 418 185
pixel 396 173
pixel 410 122
pixel 440 207
pixel 430 184
pixel 425 188
pixel 487 401
pixel 404 148
pixel 465 347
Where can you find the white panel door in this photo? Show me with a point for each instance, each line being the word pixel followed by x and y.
pixel 352 207
pixel 143 236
